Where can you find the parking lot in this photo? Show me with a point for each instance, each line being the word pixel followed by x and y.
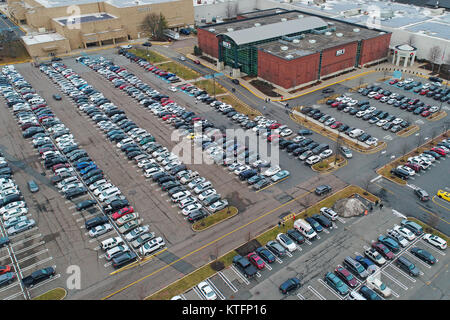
pixel 313 261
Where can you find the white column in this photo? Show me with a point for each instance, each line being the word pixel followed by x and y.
pixel 413 58
pixel 405 63
pixel 398 60
pixel 393 58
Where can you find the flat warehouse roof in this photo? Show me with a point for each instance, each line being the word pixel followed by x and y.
pixel 259 13
pixel 274 30
pixel 85 18
pixel 42 38
pixel 116 3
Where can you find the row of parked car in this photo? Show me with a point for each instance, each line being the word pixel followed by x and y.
pixel 13 208
pixel 422 162
pixel 396 100
pixel 122 214
pixel 365 268
pixel 352 132
pixel 165 167
pixel 432 89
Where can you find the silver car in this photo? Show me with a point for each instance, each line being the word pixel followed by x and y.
pixel 21 226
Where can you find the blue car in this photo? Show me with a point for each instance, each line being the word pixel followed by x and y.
pixel 369 294
pixel 7 278
pixel 314 224
pixel 367 264
pixel 87 169
pixel 390 243
pixel 333 281
pixel 84 164
pixel 280 175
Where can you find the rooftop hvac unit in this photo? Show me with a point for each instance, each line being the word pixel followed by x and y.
pixel 230 29
pixel 339 35
pixel 211 29
pixel 289 56
pixel 312 41
pixel 382 32
pixel 328 33
pixel 296 41
pixel 356 30
pixel 284 48
pixel 283 19
pixel 257 24
pixel 300 16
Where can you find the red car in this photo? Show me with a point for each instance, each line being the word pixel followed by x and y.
pixel 116 215
pixel 123 86
pixel 336 125
pixel 167 102
pixel 196 61
pixel 335 104
pixel 378 97
pixel 346 276
pixel 385 252
pixel 60 165
pixel 168 116
pixel 413 166
pixel 424 92
pixel 164 99
pixel 275 125
pixel 256 260
pixel 273 137
pixel 5 269
pixel 393 81
pixel 439 151
pixel 425 113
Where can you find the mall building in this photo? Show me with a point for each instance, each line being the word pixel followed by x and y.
pixel 65 25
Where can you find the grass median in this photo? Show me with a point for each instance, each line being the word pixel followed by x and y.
pixel 240 106
pixel 149 55
pixel 215 218
pixel 327 202
pixel 180 70
pixel 429 229
pixel 193 278
pixel 55 294
pixel 330 164
pixel 208 86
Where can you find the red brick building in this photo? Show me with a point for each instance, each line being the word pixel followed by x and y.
pixel 292 48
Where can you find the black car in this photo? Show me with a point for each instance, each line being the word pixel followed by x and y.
pixel 328 90
pixel 86 204
pixel 123 259
pixel 369 294
pixel 295 235
pixel 323 189
pixel 314 224
pixel 323 221
pixel 38 276
pixel 265 254
pixel 197 215
pixel 290 285
pixel 422 194
pixel 276 248
pixel 75 192
pixel 423 255
pixel 11 198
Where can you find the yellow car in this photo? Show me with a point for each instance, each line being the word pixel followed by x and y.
pixel 443 195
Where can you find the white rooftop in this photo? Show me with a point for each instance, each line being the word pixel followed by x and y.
pixel 116 3
pixel 42 38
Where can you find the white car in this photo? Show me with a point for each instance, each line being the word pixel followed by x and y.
pixel 286 132
pixel 109 193
pixel 326 153
pixel 13 205
pixel 405 232
pixel 397 121
pixel 398 237
pixel 382 122
pixel 375 256
pixel 435 241
pixel 207 291
pixel 102 188
pixel 240 169
pixel 371 141
pixel 408 169
pixel 312 160
pixel 271 171
pixel 173 89
pixel 191 208
pixel 99 230
pixel 151 246
pixel 377 285
pixel 12 213
pixel 195 182
pixel 97 184
pixel 202 196
pixel 136 232
pixel 286 242
pixel 218 205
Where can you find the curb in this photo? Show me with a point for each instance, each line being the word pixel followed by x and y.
pixel 329 171
pixel 442 115
pixel 220 221
pixel 412 129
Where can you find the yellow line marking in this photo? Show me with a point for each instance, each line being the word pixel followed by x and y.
pixel 440 205
pixel 384 188
pixel 138 262
pixel 208 244
pixel 433 214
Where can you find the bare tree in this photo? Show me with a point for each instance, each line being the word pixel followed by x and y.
pixel 412 40
pixel 229 10
pixel 434 54
pixel 155 25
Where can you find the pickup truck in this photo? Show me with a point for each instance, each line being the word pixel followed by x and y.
pixel 245 266
pixel 38 276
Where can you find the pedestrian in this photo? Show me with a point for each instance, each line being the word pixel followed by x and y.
pixel 376 202
pixel 283 223
pixel 279 224
pixel 381 206
pixel 371 207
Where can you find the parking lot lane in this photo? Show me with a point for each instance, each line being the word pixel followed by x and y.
pixel 222 286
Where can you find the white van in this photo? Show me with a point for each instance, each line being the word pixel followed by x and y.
pixel 305 228
pixel 355 296
pixel 111 242
pixel 355 133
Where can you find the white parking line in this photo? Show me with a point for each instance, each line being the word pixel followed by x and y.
pixel 10 286
pixel 316 293
pixel 197 291
pixel 340 220
pixel 326 231
pixel 276 257
pixel 300 296
pixel 400 284
pixel 13 296
pixel 258 274
pixel 227 281
pixel 30 247
pixel 37 263
pixel 288 254
pixel 240 275
pixel 309 242
pixel 331 290
pixel 217 291
pixel 33 255
pixel 25 232
pixel 108 264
